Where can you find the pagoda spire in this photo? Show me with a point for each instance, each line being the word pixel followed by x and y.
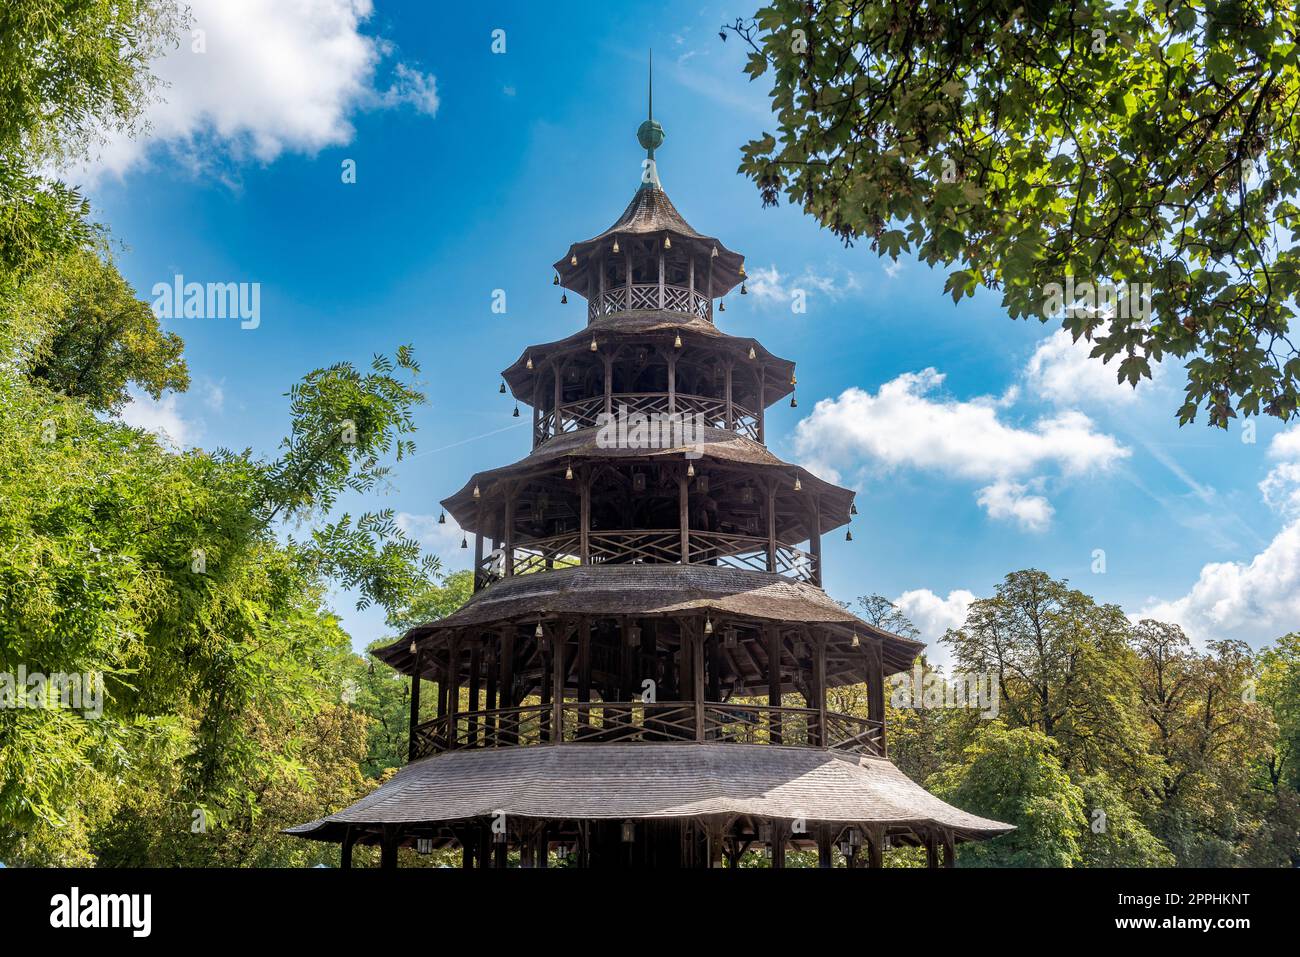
pixel 650 135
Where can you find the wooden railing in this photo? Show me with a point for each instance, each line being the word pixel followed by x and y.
pixel 585 413
pixel 650 295
pixel 640 722
pixel 644 546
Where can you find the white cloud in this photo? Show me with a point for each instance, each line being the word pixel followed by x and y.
pixel 273 76
pixel 159 416
pixel 1061 371
pixel 1260 599
pixel 904 425
pixel 1011 500
pixel 769 286
pixel 933 616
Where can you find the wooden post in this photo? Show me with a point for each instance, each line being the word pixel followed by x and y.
pixel 762 404
pixel 819 682
pixel 509 531
pixel 876 691
pixel 771 526
pixel 559 639
pixel 949 849
pixel 609 384
pixel 815 542
pixel 475 684
pixel 584 671
pixel 778 844
pixel 731 417
pixel 415 704
pixel 697 677
pixel 773 635
pixel 349 839
pixel 661 277
pixel 584 516
pixel 506 693
pixel 453 689
pixel 875 837
pixel 824 858
pixel 627 259
pixel 388 848
pixel 672 381
pixel 478 554
pixel 931 849
pixel 683 516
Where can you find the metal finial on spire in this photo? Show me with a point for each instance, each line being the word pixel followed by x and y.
pixel 650 134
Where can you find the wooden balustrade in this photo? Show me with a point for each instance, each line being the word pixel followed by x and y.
pixel 643 546
pixel 585 413
pixel 640 722
pixel 646 295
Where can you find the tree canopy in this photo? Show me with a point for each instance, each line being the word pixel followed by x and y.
pixel 1141 146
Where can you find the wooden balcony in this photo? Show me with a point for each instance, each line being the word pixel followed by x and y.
pixel 641 546
pixel 585 413
pixel 638 722
pixel 656 296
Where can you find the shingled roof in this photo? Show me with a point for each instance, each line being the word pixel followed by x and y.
pixel 667 590
pixel 604 781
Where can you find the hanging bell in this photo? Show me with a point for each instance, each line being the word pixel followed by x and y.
pixel 722 306
pixel 573 260
pixel 564 299
pixel 594 347
pixel 690 470
pixel 743 290
pixel 742 270
pixel 464 542
pixel 708 626
pixel 502 390
pixel 413 648
pixel 537 632
pixel 853 509
pixel 616 244
pixel 556 280
pixel 668 243
pixel 798 486
pixel 568 472
pixel 677 341
pixel 794 403
pixel 793 379
pixel 714 254
pixel 530 362
pixel 848 535
pixel 752 353
pixel 516 414
pixel 476 492
pixel 856 642
pixel 442 518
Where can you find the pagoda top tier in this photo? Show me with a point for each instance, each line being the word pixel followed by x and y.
pixel 650 240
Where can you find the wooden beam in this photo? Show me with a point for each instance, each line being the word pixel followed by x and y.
pixel 683 515
pixel 415 704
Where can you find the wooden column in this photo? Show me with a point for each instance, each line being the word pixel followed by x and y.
pixel 683 516
pixel 815 541
pixel 547 646
pixel 478 553
pixel 762 404
pixel 453 688
pixel 388 848
pixel 731 416
pixel 627 259
pixel 778 844
pixel 875 838
pixel 506 693
pixel 415 704
pixel 508 520
pixel 690 284
pixel 949 849
pixel 475 685
pixel 931 849
pixel 773 636
pixel 558 397
pixel 876 690
pixel 771 526
pixel 559 639
pixel 661 277
pixel 490 692
pixel 819 681
pixel 697 679
pixel 349 839
pixel 609 384
pixel 584 671
pixel 584 515
pixel 824 857
pixel 672 381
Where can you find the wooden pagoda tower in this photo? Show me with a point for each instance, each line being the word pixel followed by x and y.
pixel 641 675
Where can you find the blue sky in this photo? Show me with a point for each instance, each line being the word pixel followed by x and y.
pixel 979 445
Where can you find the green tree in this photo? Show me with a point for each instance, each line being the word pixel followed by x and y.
pixel 1021 144
pixel 1013 775
pixel 81 331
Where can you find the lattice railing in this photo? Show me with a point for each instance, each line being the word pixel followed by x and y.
pixel 639 722
pixel 585 413
pixel 636 546
pixel 646 296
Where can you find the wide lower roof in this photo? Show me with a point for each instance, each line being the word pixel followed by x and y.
pixel 604 781
pixel 648 590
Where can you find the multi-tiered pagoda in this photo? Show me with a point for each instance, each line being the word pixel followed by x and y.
pixel 641 675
